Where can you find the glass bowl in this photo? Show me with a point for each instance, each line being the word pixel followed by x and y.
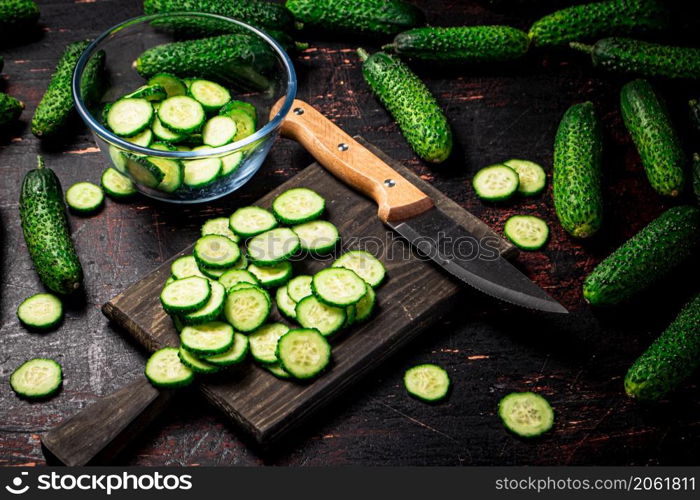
pixel 260 77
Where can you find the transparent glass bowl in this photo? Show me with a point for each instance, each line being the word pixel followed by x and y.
pixel 261 78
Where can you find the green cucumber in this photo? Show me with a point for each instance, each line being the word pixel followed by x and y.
pixel 46 233
pixel 41 311
pixel 410 102
pixel 285 304
pixel 245 116
pixel 298 205
pixel 598 19
pixel 386 17
pixel 84 197
pixel 658 144
pixel 207 339
pixel 263 342
pixel 644 259
pixel 149 92
pixel 364 264
pixel 429 383
pixel 17 14
pixel 236 353
pixel 496 182
pixel 526 414
pixel 196 364
pixel 37 378
pixel 165 369
pixel 531 176
pixel 210 95
pixel 303 353
pixel 627 55
pixel 10 109
pixel 173 85
pixel 526 231
pixel 468 44
pixel 673 357
pixel 577 170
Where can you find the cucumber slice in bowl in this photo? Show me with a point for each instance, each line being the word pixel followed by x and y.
pixel 165 134
pixel 195 364
pixel 210 338
pixel 144 138
pixel 318 236
pixel 216 252
pixel 338 286
pixel 149 92
pixel 181 114
pixel 527 232
pixel 116 185
pixel 164 369
pixel 199 173
pixel 41 311
pixel 532 177
pixel 303 353
pixel 218 131
pixel 84 197
pixel 251 221
pixel 245 116
pixel 526 414
pixel 143 171
pixel 263 342
pixel 172 169
pixel 247 308
pixel 210 95
pixel 235 355
pixel 364 264
pixel 37 378
pixel 173 85
pixel 298 205
pixel 312 313
pixel 429 383
pixel 273 246
pixel 496 183
pixel 128 117
pixel 185 295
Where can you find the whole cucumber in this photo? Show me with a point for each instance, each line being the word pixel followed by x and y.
pixel 598 19
pixel 578 200
pixel 651 254
pixel 386 17
pixel 627 55
pixel 16 14
pixel 659 147
pixel 46 233
pixel 673 357
pixel 410 102
pixel 10 109
pixel 472 44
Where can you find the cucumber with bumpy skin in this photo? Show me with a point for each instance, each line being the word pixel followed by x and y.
pixel 10 109
pixel 410 102
pixel 17 14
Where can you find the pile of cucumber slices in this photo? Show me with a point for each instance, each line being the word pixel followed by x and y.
pixel 221 296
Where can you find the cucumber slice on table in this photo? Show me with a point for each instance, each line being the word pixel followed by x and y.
pixel 184 267
pixel 164 369
pixel 317 236
pixel 128 117
pixel 220 226
pixel 496 182
pixel 429 383
pixel 181 114
pixel 527 232
pixel 210 95
pixel 272 276
pixel 185 295
pixel 216 252
pixel 37 378
pixel 173 85
pixel 84 197
pixel 532 177
pixel 235 276
pixel 251 221
pixel 285 304
pixel 263 342
pixel 365 306
pixel 42 311
pixel 338 286
pixel 526 414
pixel 199 173
pixel 273 246
pixel 277 370
pixel 116 185
pixel 211 310
pixel 312 313
pixel 236 353
pixel 247 308
pixel 206 339
pixel 195 364
pixel 298 205
pixel 364 264
pixel 299 287
pixel 218 131
pixel 303 353
pixel 149 92
pixel 143 139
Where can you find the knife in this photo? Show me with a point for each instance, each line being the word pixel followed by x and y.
pixel 410 212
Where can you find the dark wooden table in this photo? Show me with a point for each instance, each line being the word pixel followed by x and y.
pixel 577 362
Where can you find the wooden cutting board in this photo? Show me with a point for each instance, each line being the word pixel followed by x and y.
pixel 415 295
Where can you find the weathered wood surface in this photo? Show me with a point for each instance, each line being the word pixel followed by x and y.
pixel 577 362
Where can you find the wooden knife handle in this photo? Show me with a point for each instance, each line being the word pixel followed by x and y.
pixel 351 162
pixel 100 431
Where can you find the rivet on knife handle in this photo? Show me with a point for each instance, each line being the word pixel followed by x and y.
pixel 351 162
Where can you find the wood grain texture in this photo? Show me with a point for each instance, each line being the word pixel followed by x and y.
pixel 496 112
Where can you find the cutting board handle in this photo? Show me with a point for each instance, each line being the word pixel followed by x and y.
pixel 351 162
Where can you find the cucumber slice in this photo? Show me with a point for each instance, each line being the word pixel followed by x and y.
pixel 532 177
pixel 526 414
pixel 298 205
pixel 242 263
pixel 235 276
pixel 272 276
pixel 429 383
pixel 143 139
pixel 239 286
pixel 211 310
pixel 527 232
pixel 184 267
pixel 245 107
pixel 338 286
pixel 218 131
pixel 181 114
pixel 285 304
pixel 143 171
pixel 210 95
pixel 365 307
pixel 214 337
pixel 318 236
pixel 149 92
pixel 273 246
pixel 213 274
pixel 172 169
pixel 37 378
pixel 116 185
pixel 84 197
pixel 216 252
pixel 185 295
pixel 230 163
pixel 496 182
pixel 236 354
pixel 194 363
pixel 312 313
pixel 164 369
pixel 42 311
pixel 173 85
pixel 303 353
pixel 199 173
pixel 165 134
pixel 128 117
pixel 263 342
pixel 364 264
pixel 350 314
pixel 299 287
pixel 219 226
pixel 118 159
pixel 181 147
pixel 247 308
pixel 251 221
pixel 277 370
pixel 245 116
